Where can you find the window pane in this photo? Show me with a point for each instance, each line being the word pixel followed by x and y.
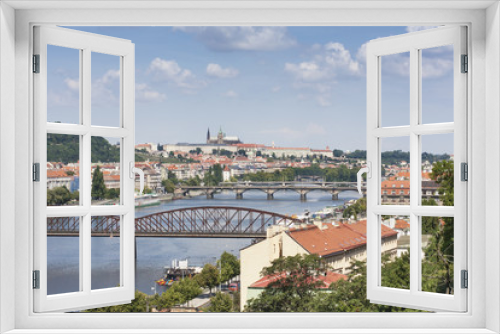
pixel 63 169
pixel 106 169
pixel 106 81
pixel 63 85
pixel 437 84
pixel 105 252
pixel 395 171
pixel 437 254
pixel 437 170
pixel 395 89
pixel 63 255
pixel 395 252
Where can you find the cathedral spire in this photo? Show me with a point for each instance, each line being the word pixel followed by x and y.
pixel 208 136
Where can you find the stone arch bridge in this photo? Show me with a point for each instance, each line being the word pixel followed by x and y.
pixel 270 188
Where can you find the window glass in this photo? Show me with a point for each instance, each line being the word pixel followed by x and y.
pixel 63 85
pixel 395 171
pixel 63 169
pixel 106 96
pixel 105 252
pixel 63 255
pixel 395 89
pixel 437 84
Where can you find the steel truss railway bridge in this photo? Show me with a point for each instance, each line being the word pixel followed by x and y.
pixel 239 188
pixel 195 222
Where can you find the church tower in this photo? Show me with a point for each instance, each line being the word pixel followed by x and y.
pixel 208 136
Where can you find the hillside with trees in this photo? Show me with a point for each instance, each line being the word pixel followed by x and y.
pixel 66 149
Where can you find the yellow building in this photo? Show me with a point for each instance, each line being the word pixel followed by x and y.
pixel 338 244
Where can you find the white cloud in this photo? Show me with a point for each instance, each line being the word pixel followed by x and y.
pixel 321 72
pixel 340 58
pixel 306 71
pixel 242 38
pixel 323 101
pixel 275 89
pixel 436 67
pixel 144 93
pixel 106 89
pixel 169 70
pixel 215 70
pixel 110 76
pixel 361 54
pixel 418 28
pixel 73 84
pixel 231 93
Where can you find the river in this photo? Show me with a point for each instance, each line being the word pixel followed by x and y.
pixel 153 254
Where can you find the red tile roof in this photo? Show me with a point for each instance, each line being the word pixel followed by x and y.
pixel 56 173
pixel 327 279
pixel 111 177
pixel 401 224
pixel 332 239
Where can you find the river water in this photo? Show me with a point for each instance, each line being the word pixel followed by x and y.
pixel 153 254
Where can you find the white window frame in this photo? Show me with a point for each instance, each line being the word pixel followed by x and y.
pixel 86 44
pixel 484 103
pixel 414 43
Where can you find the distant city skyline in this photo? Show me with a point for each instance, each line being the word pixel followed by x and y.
pixel 294 86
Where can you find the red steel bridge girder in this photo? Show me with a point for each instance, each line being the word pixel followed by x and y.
pixel 196 222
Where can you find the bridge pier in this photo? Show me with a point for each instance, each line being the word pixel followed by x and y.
pixel 210 193
pixel 335 196
pixel 270 193
pixel 303 194
pixel 239 195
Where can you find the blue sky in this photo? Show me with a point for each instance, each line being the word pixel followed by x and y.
pixel 294 86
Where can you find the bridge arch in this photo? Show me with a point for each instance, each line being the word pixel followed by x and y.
pixel 205 221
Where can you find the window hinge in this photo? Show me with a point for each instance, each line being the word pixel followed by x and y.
pixel 36 63
pixel 465 279
pixel 36 279
pixel 465 64
pixel 36 172
pixel 464 171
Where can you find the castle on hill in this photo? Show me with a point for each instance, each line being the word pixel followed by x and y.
pixel 222 139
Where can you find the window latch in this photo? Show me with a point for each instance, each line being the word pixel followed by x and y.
pixel 368 171
pixel 134 170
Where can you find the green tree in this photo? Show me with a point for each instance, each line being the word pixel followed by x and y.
pixel 208 277
pixel 98 187
pixel 58 196
pixel 180 292
pixel 350 295
pixel 229 266
pixel 437 265
pixel 295 286
pixel 138 304
pixel 221 302
pixel 217 170
pixel 168 185
pixel 112 193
